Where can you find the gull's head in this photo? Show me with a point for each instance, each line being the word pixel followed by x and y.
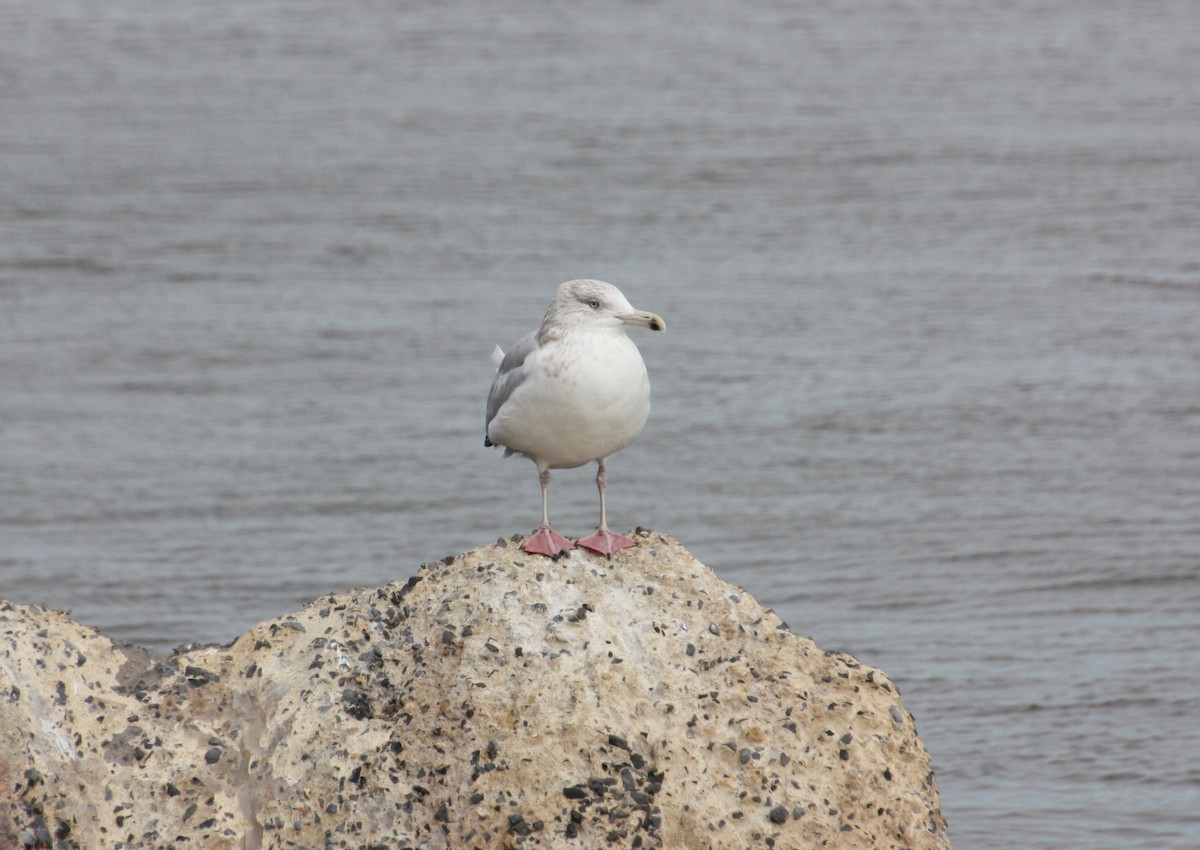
pixel 594 304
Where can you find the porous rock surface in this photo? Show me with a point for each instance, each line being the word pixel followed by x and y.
pixel 493 700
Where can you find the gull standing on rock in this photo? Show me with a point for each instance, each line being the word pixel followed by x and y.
pixel 571 392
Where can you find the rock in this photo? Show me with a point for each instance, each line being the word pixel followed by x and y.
pixel 493 700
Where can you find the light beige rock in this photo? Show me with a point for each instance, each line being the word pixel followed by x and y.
pixel 493 700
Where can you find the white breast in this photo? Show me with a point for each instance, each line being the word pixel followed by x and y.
pixel 585 397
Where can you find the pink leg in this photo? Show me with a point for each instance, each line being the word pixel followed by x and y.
pixel 604 541
pixel 546 541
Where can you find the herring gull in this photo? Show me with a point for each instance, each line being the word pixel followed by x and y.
pixel 572 392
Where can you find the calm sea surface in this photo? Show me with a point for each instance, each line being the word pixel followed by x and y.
pixel 931 387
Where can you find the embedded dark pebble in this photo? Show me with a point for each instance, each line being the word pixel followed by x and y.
pixel 39 834
pixel 778 814
pixel 213 755
pixel 399 595
pixel 600 784
pixel 356 704
pixel 575 792
pixel 198 676
pixel 516 823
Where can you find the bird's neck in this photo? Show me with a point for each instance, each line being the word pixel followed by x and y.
pixel 561 333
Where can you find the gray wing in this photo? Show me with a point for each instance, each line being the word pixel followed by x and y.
pixel 509 376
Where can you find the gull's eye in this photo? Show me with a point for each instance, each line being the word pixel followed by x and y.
pixel 594 304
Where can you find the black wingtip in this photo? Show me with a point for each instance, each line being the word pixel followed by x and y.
pixel 487 442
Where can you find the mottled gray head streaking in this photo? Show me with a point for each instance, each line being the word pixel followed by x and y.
pixel 583 304
pixel 572 392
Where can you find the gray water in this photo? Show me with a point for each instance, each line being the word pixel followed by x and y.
pixel 931 387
